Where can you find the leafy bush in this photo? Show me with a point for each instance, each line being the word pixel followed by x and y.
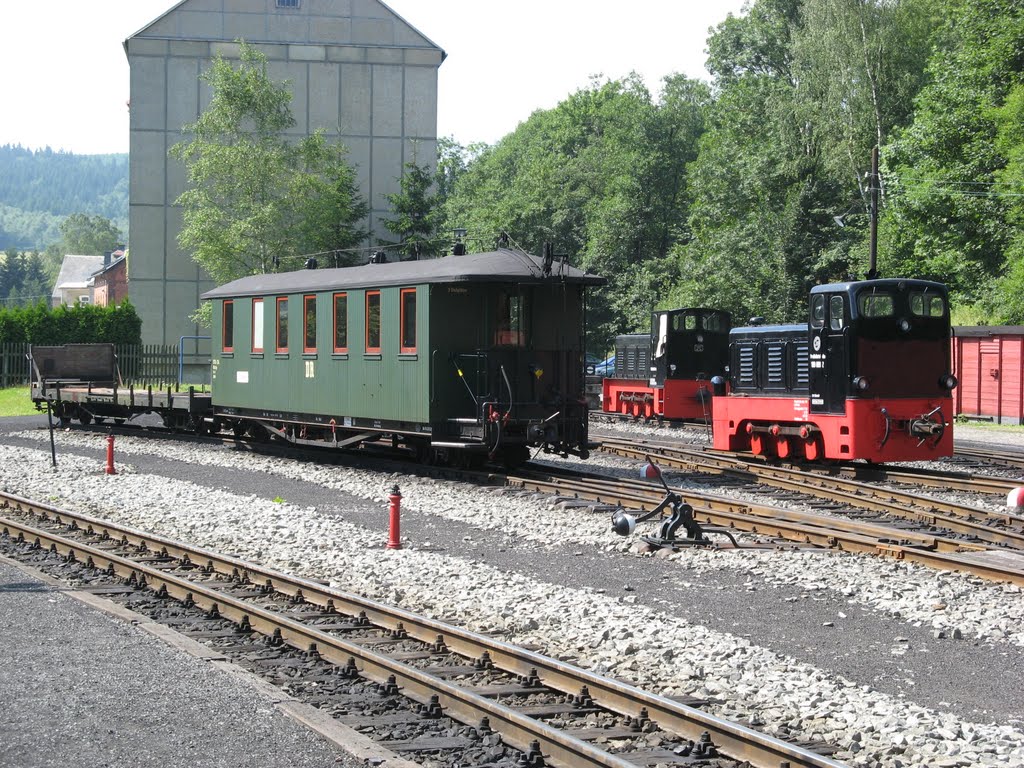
pixel 87 324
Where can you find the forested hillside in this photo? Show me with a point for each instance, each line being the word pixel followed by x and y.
pixel 39 188
pixel 726 194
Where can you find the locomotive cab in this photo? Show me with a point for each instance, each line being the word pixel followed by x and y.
pixel 688 344
pixel 667 374
pixel 878 339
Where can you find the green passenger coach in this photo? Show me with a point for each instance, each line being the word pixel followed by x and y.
pixel 472 355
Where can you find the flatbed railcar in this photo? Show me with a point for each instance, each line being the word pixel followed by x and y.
pixel 667 374
pixel 867 377
pixel 470 355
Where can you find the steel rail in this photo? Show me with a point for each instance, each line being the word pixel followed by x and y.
pixel 732 739
pixel 1013 459
pixel 800 527
pixel 961 518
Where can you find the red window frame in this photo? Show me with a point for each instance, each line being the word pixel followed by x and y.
pixel 344 316
pixel 277 324
pixel 306 302
pixel 262 322
pixel 227 323
pixel 380 325
pixel 403 347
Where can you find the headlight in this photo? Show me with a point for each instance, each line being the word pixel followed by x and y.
pixel 861 383
pixel 904 325
pixel 948 381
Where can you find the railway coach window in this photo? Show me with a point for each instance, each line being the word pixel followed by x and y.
pixel 341 323
pixel 373 321
pixel 228 339
pixel 282 324
pixel 309 324
pixel 407 344
pixel 257 325
pixel 512 317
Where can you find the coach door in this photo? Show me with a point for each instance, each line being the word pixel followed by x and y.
pixel 830 317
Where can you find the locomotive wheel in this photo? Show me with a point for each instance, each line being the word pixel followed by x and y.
pixel 84 417
pixel 515 456
pixel 239 429
pixel 101 419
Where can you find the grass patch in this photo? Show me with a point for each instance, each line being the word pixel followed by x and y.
pixel 988 425
pixel 15 401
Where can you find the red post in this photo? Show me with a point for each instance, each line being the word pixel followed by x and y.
pixel 110 456
pixel 394 537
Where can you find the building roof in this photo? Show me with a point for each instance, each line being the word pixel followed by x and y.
pixel 75 272
pixel 501 266
pixel 172 24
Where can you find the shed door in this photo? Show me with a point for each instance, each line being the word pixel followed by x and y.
pixel 989 384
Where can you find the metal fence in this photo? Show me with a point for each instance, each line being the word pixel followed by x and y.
pixel 140 364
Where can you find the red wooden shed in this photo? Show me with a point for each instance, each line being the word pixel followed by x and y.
pixel 988 361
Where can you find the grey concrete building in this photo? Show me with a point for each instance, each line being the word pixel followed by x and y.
pixel 356 69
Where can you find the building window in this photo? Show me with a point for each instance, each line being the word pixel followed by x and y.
pixel 408 320
pixel 373 321
pixel 257 325
pixel 309 323
pixel 282 324
pixel 341 322
pixel 287 3
pixel 228 324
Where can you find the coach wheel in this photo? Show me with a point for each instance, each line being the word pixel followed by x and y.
pixel 101 419
pixel 84 417
pixel 119 421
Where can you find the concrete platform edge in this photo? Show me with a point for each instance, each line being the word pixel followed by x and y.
pixel 342 736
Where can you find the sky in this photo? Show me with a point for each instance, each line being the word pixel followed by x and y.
pixel 65 74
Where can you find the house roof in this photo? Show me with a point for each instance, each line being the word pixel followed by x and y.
pixel 501 266
pixel 75 272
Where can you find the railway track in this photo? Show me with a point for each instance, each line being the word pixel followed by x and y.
pixel 555 713
pixel 774 522
pixel 976 524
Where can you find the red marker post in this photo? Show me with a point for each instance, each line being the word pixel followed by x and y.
pixel 110 456
pixel 394 536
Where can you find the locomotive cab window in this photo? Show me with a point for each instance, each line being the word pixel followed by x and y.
pixel 407 344
pixel 512 321
pixel 927 304
pixel 257 325
pixel 712 321
pixel 309 324
pixel 341 323
pixel 818 311
pixel 836 313
pixel 228 338
pixel 877 305
pixel 282 325
pixel 373 322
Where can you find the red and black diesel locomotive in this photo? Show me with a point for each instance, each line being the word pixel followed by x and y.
pixel 867 377
pixel 667 374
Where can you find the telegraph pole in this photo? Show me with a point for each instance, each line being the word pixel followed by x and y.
pixel 875 183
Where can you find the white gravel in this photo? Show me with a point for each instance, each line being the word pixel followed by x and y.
pixel 605 633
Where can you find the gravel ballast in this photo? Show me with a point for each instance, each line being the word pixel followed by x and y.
pixel 814 645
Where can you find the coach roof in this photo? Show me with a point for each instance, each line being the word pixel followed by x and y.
pixel 501 266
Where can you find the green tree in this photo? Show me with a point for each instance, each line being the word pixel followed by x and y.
pixel 258 201
pixel 947 211
pixel 415 211
pixel 89 235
